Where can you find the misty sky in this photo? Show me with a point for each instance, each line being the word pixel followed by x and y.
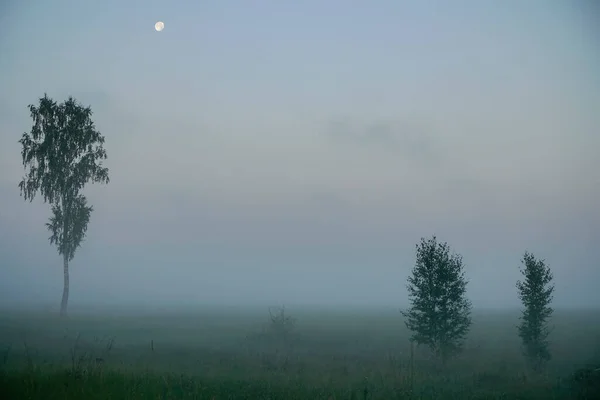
pixel 296 151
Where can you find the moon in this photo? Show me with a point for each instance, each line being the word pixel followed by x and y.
pixel 159 26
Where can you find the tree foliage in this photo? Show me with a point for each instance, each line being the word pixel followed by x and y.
pixel 440 313
pixel 62 152
pixel 68 227
pixel 536 293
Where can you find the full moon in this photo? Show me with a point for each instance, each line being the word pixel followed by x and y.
pixel 159 26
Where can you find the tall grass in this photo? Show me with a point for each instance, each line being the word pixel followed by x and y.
pixel 327 356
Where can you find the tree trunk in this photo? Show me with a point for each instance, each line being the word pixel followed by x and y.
pixel 65 295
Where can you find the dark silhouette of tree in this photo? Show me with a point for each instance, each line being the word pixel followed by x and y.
pixel 440 313
pixel 61 154
pixel 536 293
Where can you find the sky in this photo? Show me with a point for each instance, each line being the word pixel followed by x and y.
pixel 295 152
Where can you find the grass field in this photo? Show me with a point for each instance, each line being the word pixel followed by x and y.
pixel 231 354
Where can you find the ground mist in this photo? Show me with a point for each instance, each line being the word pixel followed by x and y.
pixel 331 354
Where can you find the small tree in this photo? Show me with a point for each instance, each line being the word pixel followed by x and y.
pixel 61 154
pixel 536 293
pixel 440 313
pixel 281 324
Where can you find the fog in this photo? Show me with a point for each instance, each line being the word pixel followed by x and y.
pixel 295 152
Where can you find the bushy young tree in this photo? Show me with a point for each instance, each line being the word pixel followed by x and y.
pixel 61 154
pixel 536 293
pixel 440 313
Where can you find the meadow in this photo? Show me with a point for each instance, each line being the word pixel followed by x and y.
pixel 229 353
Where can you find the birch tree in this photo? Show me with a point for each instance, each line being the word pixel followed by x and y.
pixel 61 154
